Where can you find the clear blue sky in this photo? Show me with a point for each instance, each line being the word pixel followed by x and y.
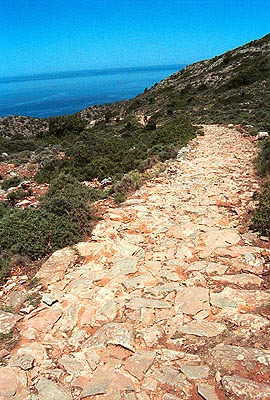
pixel 39 36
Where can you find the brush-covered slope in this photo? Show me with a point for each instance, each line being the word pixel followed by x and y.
pixel 232 87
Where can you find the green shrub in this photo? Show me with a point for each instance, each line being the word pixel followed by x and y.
pixel 261 219
pixel 151 125
pixel 4 266
pixel 16 195
pixel 105 151
pixel 131 181
pixel 64 125
pixel 119 197
pixel 263 159
pixel 4 208
pixel 35 233
pixel 68 198
pixel 11 182
pixel 64 217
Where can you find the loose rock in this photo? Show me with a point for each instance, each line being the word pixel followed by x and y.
pixel 245 388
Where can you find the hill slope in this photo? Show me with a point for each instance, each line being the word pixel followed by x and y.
pixel 232 87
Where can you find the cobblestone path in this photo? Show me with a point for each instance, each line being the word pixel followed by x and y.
pixel 171 301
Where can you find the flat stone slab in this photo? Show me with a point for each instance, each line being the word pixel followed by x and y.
pixel 195 371
pixel 8 321
pixel 191 300
pixel 220 300
pixel 207 392
pixel 221 238
pixel 49 390
pixel 116 333
pixel 136 303
pixel 174 379
pixel 35 349
pixel 139 363
pixel 173 355
pixel 124 248
pixel 92 358
pixel 54 269
pixel 202 328
pixel 169 396
pixel 105 314
pixel 48 299
pixel 160 291
pixel 152 335
pixel 45 320
pixel 210 268
pixel 247 321
pixel 72 366
pixel 123 266
pixel 230 297
pixel 245 388
pixel 139 281
pixel 229 357
pixel 8 382
pixel 24 361
pixel 98 385
pixel 241 280
pixel 108 380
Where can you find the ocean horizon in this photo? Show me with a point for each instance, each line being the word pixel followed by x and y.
pixel 61 93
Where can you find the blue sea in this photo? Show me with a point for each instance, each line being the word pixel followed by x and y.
pixel 46 95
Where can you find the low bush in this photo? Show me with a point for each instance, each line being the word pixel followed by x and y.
pixel 119 197
pixel 68 198
pixel 16 195
pixel 131 181
pixel 65 217
pixel 263 159
pixel 35 233
pixel 11 182
pixel 261 218
pixel 64 125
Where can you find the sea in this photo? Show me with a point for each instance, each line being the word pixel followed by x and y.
pixel 62 93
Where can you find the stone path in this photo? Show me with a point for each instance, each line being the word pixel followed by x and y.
pixel 172 301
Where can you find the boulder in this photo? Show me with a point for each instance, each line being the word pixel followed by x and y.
pixel 262 135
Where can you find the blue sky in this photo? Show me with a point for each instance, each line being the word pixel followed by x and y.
pixel 38 36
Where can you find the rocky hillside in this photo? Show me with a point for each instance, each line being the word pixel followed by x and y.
pixel 232 87
pixel 15 125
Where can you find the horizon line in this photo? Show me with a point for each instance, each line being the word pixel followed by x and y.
pixel 61 74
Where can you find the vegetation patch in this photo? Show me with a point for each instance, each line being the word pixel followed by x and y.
pixel 65 217
pixel 113 150
pixel 261 219
pixel 117 148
